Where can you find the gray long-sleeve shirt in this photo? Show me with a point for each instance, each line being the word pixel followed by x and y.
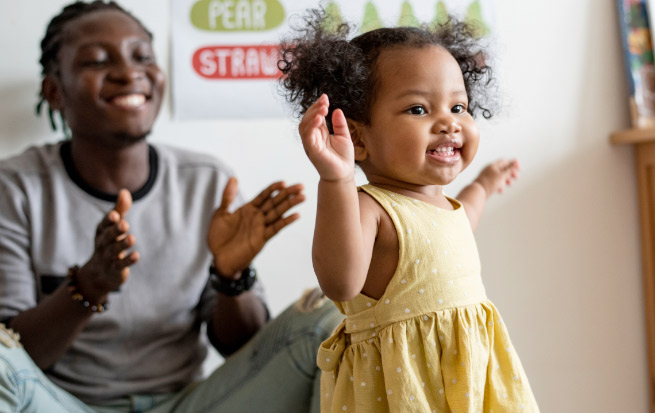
pixel 148 341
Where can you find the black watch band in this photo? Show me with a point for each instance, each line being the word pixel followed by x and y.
pixel 230 287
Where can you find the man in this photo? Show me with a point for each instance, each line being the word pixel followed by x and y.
pixel 110 305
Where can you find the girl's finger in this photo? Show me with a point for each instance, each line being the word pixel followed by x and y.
pixel 339 124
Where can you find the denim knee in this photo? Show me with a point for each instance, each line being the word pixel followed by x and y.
pixel 9 347
pixel 312 328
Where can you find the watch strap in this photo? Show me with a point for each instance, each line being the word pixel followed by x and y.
pixel 229 286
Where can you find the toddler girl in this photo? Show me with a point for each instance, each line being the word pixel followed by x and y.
pixel 396 255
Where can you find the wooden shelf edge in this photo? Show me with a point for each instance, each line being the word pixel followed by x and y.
pixel 633 136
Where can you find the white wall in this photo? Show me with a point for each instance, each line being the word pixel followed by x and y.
pixel 560 250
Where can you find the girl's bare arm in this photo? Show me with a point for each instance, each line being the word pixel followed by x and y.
pixel 342 245
pixel 493 178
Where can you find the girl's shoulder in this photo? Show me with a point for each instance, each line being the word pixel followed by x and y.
pixel 370 209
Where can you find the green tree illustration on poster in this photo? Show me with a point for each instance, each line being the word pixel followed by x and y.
pixel 407 17
pixel 440 15
pixel 333 18
pixel 371 20
pixel 474 16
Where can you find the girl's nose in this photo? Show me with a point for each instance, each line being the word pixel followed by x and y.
pixel 447 123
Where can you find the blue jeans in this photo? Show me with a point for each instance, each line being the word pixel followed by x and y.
pixel 274 372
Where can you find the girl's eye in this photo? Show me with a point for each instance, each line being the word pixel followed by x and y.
pixel 417 110
pixel 459 108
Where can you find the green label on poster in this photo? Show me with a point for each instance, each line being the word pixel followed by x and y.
pixel 237 15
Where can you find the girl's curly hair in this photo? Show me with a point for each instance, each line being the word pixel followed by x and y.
pixel 322 59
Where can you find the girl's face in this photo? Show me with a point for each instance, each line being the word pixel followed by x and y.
pixel 420 133
pixel 109 86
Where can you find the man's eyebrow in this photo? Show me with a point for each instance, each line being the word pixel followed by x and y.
pixel 105 44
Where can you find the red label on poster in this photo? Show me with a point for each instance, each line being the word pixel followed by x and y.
pixel 237 62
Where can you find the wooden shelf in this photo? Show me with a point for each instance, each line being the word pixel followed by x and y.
pixel 633 136
pixel 644 141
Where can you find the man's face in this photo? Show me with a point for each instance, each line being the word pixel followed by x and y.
pixel 110 87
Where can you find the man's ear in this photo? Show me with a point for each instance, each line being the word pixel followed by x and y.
pixel 51 92
pixel 358 137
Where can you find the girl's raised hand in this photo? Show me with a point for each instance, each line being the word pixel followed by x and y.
pixel 332 155
pixel 497 175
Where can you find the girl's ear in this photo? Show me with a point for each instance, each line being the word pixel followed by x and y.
pixel 357 135
pixel 51 92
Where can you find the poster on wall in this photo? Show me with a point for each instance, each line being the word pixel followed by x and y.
pixel 225 52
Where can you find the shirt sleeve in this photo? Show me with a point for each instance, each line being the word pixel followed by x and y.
pixel 17 280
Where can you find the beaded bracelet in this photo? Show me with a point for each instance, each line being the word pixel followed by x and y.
pixel 77 296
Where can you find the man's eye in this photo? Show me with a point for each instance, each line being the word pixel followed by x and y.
pixel 95 63
pixel 144 58
pixel 417 110
pixel 459 108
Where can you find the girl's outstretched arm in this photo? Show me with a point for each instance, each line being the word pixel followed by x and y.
pixel 493 178
pixel 339 253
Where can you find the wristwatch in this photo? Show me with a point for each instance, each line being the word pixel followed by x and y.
pixel 231 287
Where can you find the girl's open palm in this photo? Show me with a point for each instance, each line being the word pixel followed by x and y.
pixel 332 155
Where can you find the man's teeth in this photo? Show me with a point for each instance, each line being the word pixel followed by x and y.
pixel 129 101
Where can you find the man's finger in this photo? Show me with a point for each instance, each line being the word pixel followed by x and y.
pixel 229 193
pixel 271 230
pixel 124 202
pixel 112 218
pixel 281 196
pixel 266 193
pixel 281 208
pixel 109 234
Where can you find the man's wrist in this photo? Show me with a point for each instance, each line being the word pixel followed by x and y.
pixel 87 303
pixel 229 285
pixel 232 273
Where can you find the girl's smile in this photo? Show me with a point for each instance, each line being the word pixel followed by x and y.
pixel 446 153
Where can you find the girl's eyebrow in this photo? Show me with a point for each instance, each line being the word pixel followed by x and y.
pixel 421 92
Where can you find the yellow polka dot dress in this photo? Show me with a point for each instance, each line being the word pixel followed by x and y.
pixel 432 342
